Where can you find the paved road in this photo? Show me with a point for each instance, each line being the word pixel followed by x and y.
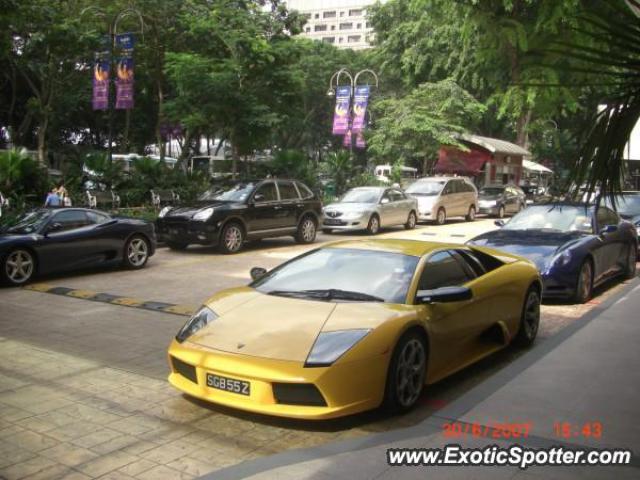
pixel 82 384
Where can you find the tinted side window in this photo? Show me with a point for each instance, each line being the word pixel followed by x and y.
pixel 442 270
pixel 397 195
pixel 387 195
pixel 304 190
pixel 448 189
pixel 70 219
pixel 97 218
pixel 287 191
pixel 606 217
pixel 472 262
pixel 266 193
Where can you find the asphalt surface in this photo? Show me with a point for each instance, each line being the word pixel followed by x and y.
pixel 53 346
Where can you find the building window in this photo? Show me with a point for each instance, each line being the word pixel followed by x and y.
pixel 333 27
pixel 307 29
pixel 359 26
pixel 346 26
pixel 329 39
pixel 320 28
pixel 366 24
pixel 329 14
pixel 354 38
pixel 356 12
pixel 342 14
pixel 307 16
pixel 317 15
pixel 340 40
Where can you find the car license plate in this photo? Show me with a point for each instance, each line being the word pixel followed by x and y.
pixel 331 221
pixel 228 384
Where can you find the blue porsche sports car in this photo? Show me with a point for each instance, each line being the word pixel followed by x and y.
pixel 574 247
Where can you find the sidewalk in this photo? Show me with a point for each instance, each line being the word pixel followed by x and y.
pixel 587 373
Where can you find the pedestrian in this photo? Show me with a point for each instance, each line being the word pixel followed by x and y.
pixel 53 199
pixel 65 200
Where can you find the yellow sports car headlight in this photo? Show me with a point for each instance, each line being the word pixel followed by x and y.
pixel 330 346
pixel 201 319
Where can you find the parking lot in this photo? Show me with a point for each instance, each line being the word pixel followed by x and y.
pixel 83 366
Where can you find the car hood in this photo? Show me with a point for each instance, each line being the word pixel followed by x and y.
pixel 281 328
pixel 349 207
pixel 539 246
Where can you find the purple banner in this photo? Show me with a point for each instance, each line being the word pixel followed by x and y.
pixel 360 100
pixel 360 142
pixel 100 98
pixel 341 113
pixel 124 84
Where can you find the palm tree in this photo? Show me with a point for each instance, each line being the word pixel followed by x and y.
pixel 16 170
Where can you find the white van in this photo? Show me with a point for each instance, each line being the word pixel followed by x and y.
pixel 383 173
pixel 440 198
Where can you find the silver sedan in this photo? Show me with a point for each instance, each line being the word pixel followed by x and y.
pixel 370 208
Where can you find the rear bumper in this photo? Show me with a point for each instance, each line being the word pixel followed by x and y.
pixel 346 388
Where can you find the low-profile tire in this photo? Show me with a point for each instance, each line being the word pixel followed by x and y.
pixel 177 245
pixel 441 216
pixel 326 230
pixel 406 373
pixel 307 230
pixel 373 227
pixel 18 267
pixel 232 238
pixel 471 214
pixel 529 319
pixel 632 256
pixel 584 287
pixel 136 252
pixel 501 211
pixel 412 219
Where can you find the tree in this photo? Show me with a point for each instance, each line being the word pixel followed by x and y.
pixel 411 128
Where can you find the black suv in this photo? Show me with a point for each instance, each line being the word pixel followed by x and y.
pixel 240 211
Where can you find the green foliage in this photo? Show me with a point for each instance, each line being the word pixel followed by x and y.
pixel 339 167
pixel 21 175
pixel 396 172
pixel 294 164
pixel 364 179
pixel 411 128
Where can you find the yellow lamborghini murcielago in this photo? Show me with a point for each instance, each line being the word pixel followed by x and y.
pixel 355 325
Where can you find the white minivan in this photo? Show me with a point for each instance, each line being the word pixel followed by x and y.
pixel 440 198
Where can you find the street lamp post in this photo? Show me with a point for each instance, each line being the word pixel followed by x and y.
pixel 334 83
pixel 112 27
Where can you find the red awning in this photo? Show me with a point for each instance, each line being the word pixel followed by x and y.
pixel 456 161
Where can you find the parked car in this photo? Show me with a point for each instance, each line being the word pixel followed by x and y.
pixel 355 325
pixel 44 241
pixel 536 194
pixel 370 208
pixel 499 200
pixel 574 247
pixel 228 216
pixel 440 198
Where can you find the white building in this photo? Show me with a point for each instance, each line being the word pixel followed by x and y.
pixel 342 23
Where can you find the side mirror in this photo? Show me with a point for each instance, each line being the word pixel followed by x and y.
pixel 499 223
pixel 608 229
pixel 257 272
pixel 258 197
pixel 444 295
pixel 384 200
pixel 54 227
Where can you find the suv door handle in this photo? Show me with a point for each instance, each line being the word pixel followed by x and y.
pixel 277 207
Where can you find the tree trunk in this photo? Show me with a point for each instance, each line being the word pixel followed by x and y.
pixel 42 140
pixel 522 129
pixel 234 156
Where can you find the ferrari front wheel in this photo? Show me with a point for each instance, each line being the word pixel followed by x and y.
pixel 529 320
pixel 18 267
pixel 136 252
pixel 406 374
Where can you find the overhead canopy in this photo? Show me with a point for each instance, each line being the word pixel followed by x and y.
pixel 494 145
pixel 461 163
pixel 535 167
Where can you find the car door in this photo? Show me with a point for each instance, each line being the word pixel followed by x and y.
pixel 264 211
pixel 447 199
pixel 454 328
pixel 69 242
pixel 612 253
pixel 403 206
pixel 290 203
pixel 386 209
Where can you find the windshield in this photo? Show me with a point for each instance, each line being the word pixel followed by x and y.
pixel 238 192
pixel 491 191
pixel 426 188
pixel 361 196
pixel 564 218
pixel 373 273
pixel 29 222
pixel 628 205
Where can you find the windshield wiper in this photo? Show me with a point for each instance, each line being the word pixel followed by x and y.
pixel 337 294
pixel 328 294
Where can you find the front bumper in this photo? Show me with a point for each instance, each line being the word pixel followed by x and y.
pixel 347 388
pixel 554 287
pixel 187 231
pixel 340 223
